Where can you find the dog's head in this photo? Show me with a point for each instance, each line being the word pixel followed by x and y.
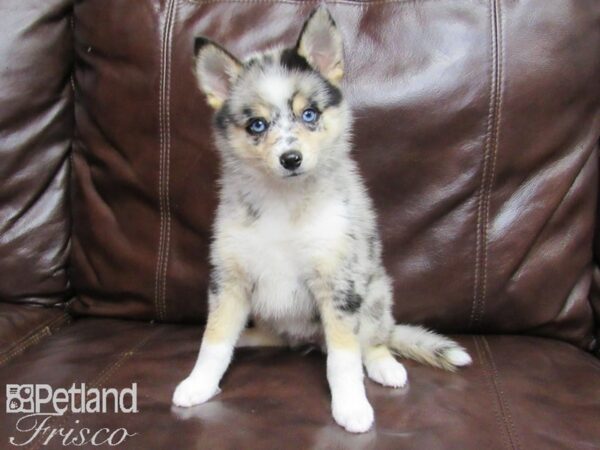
pixel 279 113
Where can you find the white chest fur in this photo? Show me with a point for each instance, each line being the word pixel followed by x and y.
pixel 280 249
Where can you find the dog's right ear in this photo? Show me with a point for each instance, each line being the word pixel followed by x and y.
pixel 216 69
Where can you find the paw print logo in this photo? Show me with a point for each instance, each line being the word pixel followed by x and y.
pixel 19 398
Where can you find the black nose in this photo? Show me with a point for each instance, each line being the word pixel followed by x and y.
pixel 291 159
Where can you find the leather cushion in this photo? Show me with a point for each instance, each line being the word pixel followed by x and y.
pixel 476 127
pixel 521 392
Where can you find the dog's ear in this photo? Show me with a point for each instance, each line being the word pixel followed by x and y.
pixel 320 43
pixel 216 70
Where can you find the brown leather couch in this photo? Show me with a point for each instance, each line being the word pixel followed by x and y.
pixel 477 125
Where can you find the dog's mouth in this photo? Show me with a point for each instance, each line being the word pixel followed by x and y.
pixel 293 174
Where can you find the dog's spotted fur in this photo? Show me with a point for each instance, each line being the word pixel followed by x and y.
pixel 298 249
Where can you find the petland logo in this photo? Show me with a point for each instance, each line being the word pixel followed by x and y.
pixel 40 402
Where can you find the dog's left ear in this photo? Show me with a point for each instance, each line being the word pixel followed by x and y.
pixel 320 43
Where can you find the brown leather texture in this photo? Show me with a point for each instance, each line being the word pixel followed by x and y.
pixel 36 124
pixel 595 289
pixel 521 393
pixel 476 130
pixel 22 326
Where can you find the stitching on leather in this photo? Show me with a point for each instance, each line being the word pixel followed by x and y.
pixel 484 199
pixel 169 37
pixel 25 343
pixel 489 383
pixel 72 76
pixel 483 195
pixel 107 372
pixel 164 165
pixel 506 414
pixel 160 183
pixel 495 144
pixel 43 330
pixel 477 250
pixel 480 191
pixel 102 377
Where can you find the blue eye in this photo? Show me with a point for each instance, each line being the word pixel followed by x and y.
pixel 310 115
pixel 257 126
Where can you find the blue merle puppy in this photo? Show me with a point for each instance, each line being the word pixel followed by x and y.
pixel 296 245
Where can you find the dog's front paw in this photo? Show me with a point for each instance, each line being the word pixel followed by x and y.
pixel 193 391
pixel 354 414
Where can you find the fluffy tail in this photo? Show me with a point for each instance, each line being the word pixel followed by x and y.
pixel 422 345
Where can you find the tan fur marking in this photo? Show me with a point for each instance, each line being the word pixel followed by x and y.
pixel 259 337
pixel 331 119
pixel 214 102
pixel 336 75
pixel 262 111
pixel 299 103
pixel 377 352
pixel 338 333
pixel 224 317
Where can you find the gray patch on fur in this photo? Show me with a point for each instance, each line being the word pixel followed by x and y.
pixel 214 281
pixel 348 300
pixel 251 210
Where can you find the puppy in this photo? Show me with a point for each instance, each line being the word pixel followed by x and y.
pixel 296 245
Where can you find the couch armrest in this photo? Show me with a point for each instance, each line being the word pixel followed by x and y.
pixel 36 120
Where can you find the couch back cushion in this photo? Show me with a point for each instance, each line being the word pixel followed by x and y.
pixel 36 125
pixel 476 126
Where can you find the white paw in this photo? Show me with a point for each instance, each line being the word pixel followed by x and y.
pixel 387 371
pixel 193 391
pixel 458 357
pixel 355 415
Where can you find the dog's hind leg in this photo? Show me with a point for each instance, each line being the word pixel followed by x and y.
pixel 382 367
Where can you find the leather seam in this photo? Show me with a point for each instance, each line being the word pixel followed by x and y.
pixel 486 181
pixel 102 377
pixel 164 165
pixel 503 401
pixel 169 37
pixel 495 144
pixel 40 332
pixel 489 383
pixel 160 184
pixel 480 190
